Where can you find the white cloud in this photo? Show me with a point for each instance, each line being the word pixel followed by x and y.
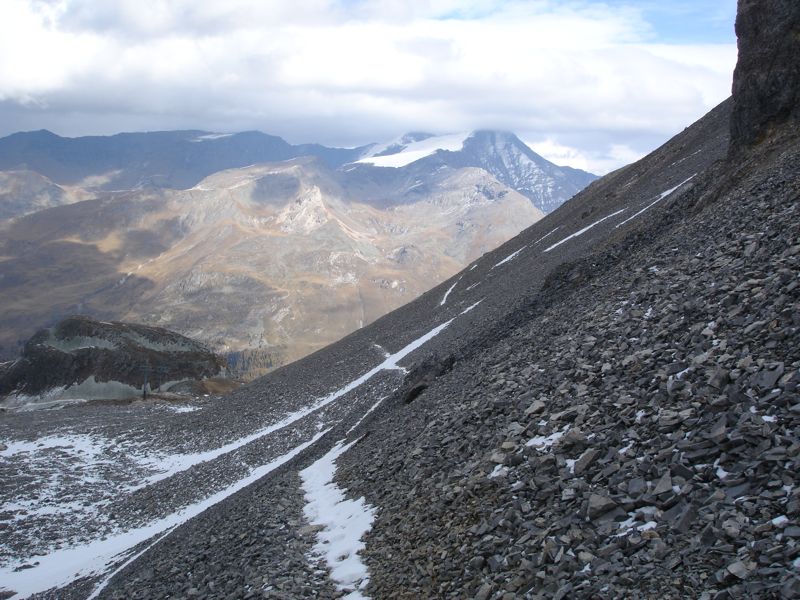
pixel 594 161
pixel 352 72
pixel 562 155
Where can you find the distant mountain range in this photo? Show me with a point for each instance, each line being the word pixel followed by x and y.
pixel 262 250
pixel 180 159
pixel 170 159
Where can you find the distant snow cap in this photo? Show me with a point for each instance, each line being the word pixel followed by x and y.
pixel 210 136
pixel 413 147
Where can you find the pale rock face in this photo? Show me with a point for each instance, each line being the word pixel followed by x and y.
pixel 305 214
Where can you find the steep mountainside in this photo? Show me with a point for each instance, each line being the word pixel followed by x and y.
pixel 83 359
pixel 606 406
pixel 277 260
pixel 500 153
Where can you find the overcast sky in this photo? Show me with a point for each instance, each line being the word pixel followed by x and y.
pixel 587 83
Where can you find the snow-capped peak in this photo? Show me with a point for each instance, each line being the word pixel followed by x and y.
pixel 501 153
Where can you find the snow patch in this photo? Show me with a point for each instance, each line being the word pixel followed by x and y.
pixel 541 442
pixel 69 468
pixel 83 446
pixel 629 525
pixel 180 409
pixel 210 136
pixel 627 448
pixel 344 521
pixel 498 471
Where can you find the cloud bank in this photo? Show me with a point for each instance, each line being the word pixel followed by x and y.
pixel 589 83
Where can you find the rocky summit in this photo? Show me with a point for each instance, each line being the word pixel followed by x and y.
pixel 606 406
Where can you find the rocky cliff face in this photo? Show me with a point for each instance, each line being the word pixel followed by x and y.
pixel 85 359
pixel 766 84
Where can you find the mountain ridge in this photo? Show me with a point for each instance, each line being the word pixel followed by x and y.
pixel 286 254
pixel 175 159
pixel 181 159
pixel 114 273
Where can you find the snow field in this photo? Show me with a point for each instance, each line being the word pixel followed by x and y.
pixel 417 150
pixel 61 567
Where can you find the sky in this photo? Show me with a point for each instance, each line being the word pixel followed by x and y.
pixel 587 83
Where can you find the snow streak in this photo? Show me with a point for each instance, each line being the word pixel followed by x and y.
pixel 658 199
pixel 447 293
pixel 344 522
pixel 511 256
pixel 546 235
pixel 584 230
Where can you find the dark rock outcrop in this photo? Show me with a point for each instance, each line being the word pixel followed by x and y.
pixel 766 83
pixel 118 356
